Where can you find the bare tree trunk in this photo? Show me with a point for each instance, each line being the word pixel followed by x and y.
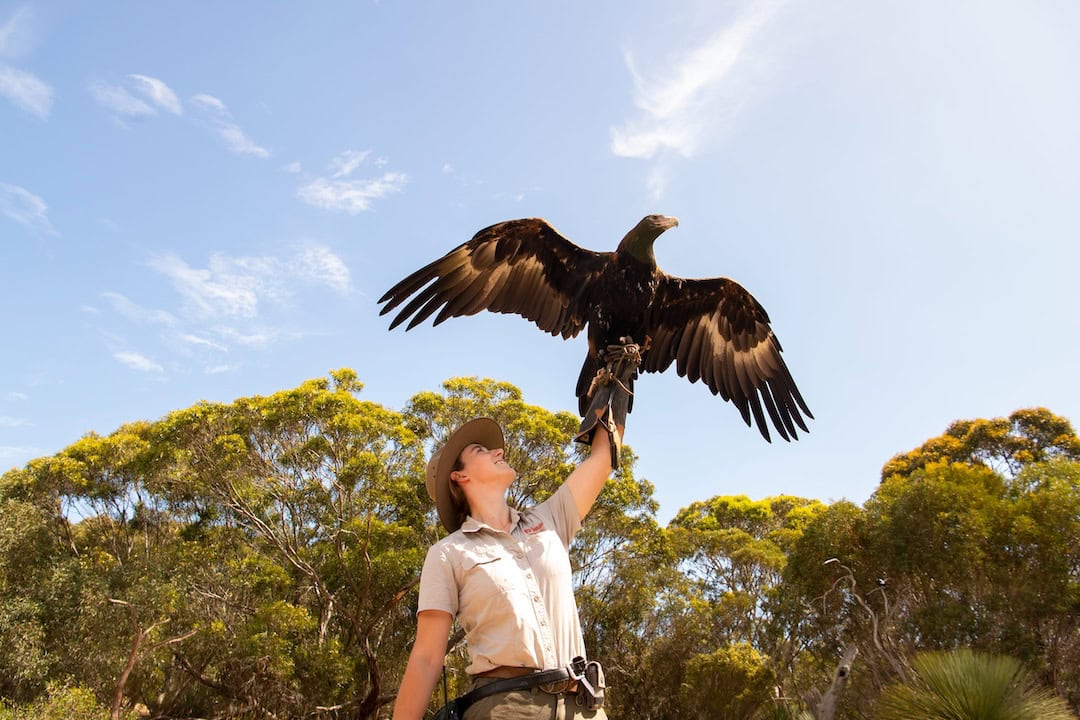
pixel 827 708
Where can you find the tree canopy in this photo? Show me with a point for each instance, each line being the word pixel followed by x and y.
pixel 259 559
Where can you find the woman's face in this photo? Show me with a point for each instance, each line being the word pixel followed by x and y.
pixel 485 466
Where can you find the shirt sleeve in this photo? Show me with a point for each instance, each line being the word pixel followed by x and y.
pixel 562 510
pixel 438 588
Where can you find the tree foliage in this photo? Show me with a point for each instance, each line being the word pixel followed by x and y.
pixel 1005 445
pixel 259 559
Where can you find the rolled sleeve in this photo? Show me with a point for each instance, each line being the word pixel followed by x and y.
pixel 438 588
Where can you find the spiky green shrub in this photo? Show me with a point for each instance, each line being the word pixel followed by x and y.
pixel 968 685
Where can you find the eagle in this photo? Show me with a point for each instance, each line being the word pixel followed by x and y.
pixel 713 329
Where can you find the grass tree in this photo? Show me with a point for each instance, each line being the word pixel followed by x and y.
pixel 968 685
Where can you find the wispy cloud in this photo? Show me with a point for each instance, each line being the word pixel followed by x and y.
pixel 6 421
pixel 25 208
pixel 219 369
pixel 257 338
pixel 197 340
pixel 220 120
pixel 21 87
pixel 15 395
pixel 16 33
pixel 121 103
pixel 346 163
pixel 137 313
pixel 697 96
pixel 351 196
pixel 339 192
pixel 158 92
pixel 141 98
pixel 224 304
pixel 137 361
pixel 26 90
pixel 320 265
pixel 224 289
pixel 233 287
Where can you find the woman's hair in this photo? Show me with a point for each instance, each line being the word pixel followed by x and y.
pixel 461 503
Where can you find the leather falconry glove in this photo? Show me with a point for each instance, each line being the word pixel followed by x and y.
pixel 610 395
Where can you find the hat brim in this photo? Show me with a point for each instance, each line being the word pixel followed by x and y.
pixel 484 431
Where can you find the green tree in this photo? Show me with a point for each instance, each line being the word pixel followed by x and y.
pixel 324 484
pixel 733 550
pixel 734 682
pixel 1005 445
pixel 954 554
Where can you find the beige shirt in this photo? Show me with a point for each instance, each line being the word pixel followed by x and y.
pixel 511 593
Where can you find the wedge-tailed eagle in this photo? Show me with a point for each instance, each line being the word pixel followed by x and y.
pixel 712 329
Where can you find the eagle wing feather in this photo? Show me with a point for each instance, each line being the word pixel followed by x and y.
pixel 524 267
pixel 716 332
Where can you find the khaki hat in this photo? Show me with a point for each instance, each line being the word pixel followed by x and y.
pixel 481 430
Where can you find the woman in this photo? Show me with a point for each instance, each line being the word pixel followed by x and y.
pixel 506 576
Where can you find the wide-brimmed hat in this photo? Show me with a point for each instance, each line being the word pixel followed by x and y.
pixel 484 431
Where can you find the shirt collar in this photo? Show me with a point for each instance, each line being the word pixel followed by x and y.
pixel 471 524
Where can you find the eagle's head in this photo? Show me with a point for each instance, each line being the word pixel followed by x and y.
pixel 638 243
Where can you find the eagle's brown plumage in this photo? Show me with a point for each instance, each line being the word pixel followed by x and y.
pixel 712 329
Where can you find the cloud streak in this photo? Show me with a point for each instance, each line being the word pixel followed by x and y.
pixel 319 265
pixel 25 208
pixel 347 162
pixel 352 196
pixel 137 313
pixel 26 90
pixel 221 290
pixel 697 97
pixel 234 287
pixel 142 98
pixel 158 92
pixel 137 361
pixel 21 87
pixel 16 36
pixel 218 117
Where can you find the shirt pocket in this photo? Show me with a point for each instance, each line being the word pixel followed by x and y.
pixel 486 570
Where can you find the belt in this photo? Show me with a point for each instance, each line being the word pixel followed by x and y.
pixel 562 684
pixel 530 679
pixel 506 671
pixel 508 679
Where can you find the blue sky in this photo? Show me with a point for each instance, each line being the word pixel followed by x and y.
pixel 205 201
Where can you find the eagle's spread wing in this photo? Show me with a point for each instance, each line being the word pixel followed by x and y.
pixel 715 331
pixel 523 266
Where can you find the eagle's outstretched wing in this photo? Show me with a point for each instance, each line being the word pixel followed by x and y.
pixel 715 331
pixel 525 267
